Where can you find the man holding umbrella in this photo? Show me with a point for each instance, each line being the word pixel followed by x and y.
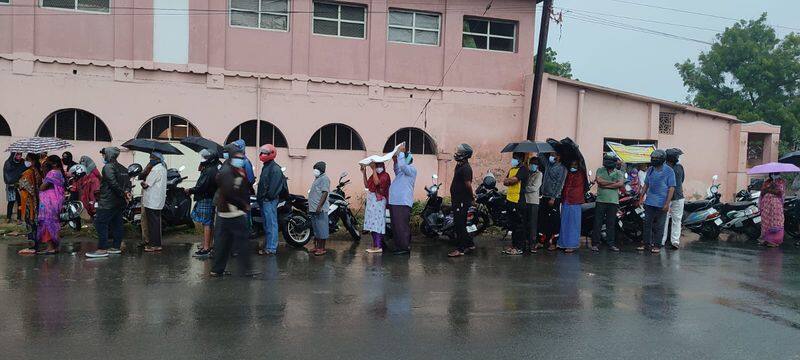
pixel 154 195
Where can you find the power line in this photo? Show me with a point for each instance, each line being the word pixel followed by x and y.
pixel 640 19
pixel 625 26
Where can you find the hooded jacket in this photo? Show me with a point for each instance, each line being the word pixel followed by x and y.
pixel 206 185
pixel 114 182
pixel 232 189
pixel 12 170
pixel 270 183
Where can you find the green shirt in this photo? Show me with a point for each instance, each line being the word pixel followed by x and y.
pixel 609 196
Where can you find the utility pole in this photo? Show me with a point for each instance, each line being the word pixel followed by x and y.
pixel 539 69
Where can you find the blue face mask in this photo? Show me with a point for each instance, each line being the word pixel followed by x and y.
pixel 534 167
pixel 237 162
pixel 573 169
pixel 552 159
pixel 225 156
pixel 514 162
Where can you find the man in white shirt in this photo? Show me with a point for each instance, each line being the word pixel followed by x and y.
pixel 154 195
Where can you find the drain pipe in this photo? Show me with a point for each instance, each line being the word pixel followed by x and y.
pixel 258 122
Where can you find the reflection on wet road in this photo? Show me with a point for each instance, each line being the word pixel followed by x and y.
pixel 710 300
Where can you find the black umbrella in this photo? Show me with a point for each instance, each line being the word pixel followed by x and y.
pixel 528 146
pixel 197 143
pixel 791 158
pixel 150 146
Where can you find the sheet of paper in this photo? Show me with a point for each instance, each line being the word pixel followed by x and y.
pixel 379 158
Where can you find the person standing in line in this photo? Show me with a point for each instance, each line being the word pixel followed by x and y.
pixel 88 185
pixel 609 180
pixel 270 186
pixel 318 208
pixel 51 199
pixel 573 196
pixel 532 195
pixel 12 172
pixel 375 211
pixel 248 166
pixel 203 191
pixel 659 187
pixel 515 182
pixel 462 195
pixel 114 193
pixel 771 205
pixel 29 184
pixel 232 201
pixel 67 163
pixel 401 199
pixel 154 196
pixel 675 215
pixel 550 210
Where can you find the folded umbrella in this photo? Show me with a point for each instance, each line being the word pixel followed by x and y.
pixel 38 145
pixel 791 158
pixel 773 168
pixel 149 146
pixel 197 143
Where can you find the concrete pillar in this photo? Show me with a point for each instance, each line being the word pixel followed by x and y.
pixel 378 14
pixel 301 35
pixel 655 109
pixel 579 117
pixel 23 28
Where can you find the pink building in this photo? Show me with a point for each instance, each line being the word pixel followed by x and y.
pixel 332 81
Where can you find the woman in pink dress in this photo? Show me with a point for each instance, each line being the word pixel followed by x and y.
pixel 51 198
pixel 771 206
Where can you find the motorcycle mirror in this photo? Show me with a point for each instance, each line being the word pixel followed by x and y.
pixel 183 167
pixel 434 176
pixel 715 177
pixel 343 174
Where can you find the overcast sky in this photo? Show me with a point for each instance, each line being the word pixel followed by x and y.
pixel 644 63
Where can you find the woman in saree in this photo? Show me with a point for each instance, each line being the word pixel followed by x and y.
pixel 51 199
pixel 88 185
pixel 771 205
pixel 29 200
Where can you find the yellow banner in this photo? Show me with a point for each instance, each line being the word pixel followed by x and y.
pixel 632 154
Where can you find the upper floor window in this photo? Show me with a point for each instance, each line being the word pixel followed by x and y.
pixel 261 14
pixel 167 127
pixel 5 2
pixel 336 137
pixel 417 141
pixel 489 34
pixel 414 27
pixel 80 5
pixel 74 124
pixel 340 20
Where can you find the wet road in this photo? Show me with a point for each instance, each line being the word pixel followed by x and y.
pixel 707 301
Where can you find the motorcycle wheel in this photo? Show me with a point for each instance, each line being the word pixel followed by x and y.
pixel 350 223
pixel 297 230
pixel 710 232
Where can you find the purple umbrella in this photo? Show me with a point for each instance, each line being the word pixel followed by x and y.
pixel 773 168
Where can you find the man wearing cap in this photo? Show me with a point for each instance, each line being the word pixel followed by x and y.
pixel 318 207
pixel 203 191
pixel 270 186
pixel 113 195
pixel 154 195
pixel 609 180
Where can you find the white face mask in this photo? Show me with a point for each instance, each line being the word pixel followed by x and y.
pixel 27 164
pixel 317 173
pixel 379 170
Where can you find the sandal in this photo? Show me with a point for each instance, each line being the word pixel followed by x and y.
pixel 569 251
pixel 512 251
pixel 152 248
pixel 641 248
pixel 456 253
pixel 655 250
pixel 28 251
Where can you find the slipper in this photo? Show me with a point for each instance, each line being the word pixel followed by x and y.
pixel 640 248
pixel 655 250
pixel 27 251
pixel 569 251
pixel 455 253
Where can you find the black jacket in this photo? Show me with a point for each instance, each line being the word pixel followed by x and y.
pixel 206 185
pixel 12 170
pixel 232 188
pixel 270 183
pixel 114 183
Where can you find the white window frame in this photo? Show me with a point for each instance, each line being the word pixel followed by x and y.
pixel 7 2
pixel 414 27
pixel 339 19
pixel 488 34
pixel 259 13
pixel 75 8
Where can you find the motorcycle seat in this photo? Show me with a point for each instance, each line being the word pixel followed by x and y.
pixel 739 205
pixel 693 206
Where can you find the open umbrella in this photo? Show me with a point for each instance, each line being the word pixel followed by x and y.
pixel 149 146
pixel 37 145
pixel 791 158
pixel 197 143
pixel 773 168
pixel 528 146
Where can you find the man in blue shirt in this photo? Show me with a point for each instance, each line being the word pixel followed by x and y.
pixel 401 199
pixel 659 187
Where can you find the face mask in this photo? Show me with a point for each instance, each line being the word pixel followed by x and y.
pixel 552 159
pixel 409 159
pixel 534 167
pixel 572 169
pixel 317 173
pixel 27 164
pixel 237 162
pixel 262 157
pixel 379 170
pixel 226 156
pixel 775 176
pixel 514 162
pixel 657 162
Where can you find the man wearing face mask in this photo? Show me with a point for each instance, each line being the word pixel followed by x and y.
pixel 154 196
pixel 232 201
pixel 659 187
pixel 609 180
pixel 203 191
pixel 550 208
pixel 270 185
pixel 113 195
pixel 401 199
pixel 532 190
pixel 462 196
pixel 318 207
pixel 675 214
pixel 515 180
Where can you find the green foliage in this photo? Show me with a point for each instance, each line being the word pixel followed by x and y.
pixel 751 73
pixel 552 66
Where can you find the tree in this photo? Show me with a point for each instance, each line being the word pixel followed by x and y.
pixel 751 73
pixel 552 66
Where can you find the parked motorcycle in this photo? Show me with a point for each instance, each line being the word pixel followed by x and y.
pixel 340 209
pixel 491 206
pixel 177 206
pixel 702 216
pixel 791 213
pixel 437 219
pixel 745 221
pixel 293 221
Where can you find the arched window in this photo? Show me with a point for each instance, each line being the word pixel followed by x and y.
pixel 270 134
pixel 167 127
pixel 336 137
pixel 417 141
pixel 5 130
pixel 74 124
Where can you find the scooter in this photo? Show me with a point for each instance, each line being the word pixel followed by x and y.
pixel 491 206
pixel 339 209
pixel 437 219
pixel 745 221
pixel 72 209
pixel 177 206
pixel 701 217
